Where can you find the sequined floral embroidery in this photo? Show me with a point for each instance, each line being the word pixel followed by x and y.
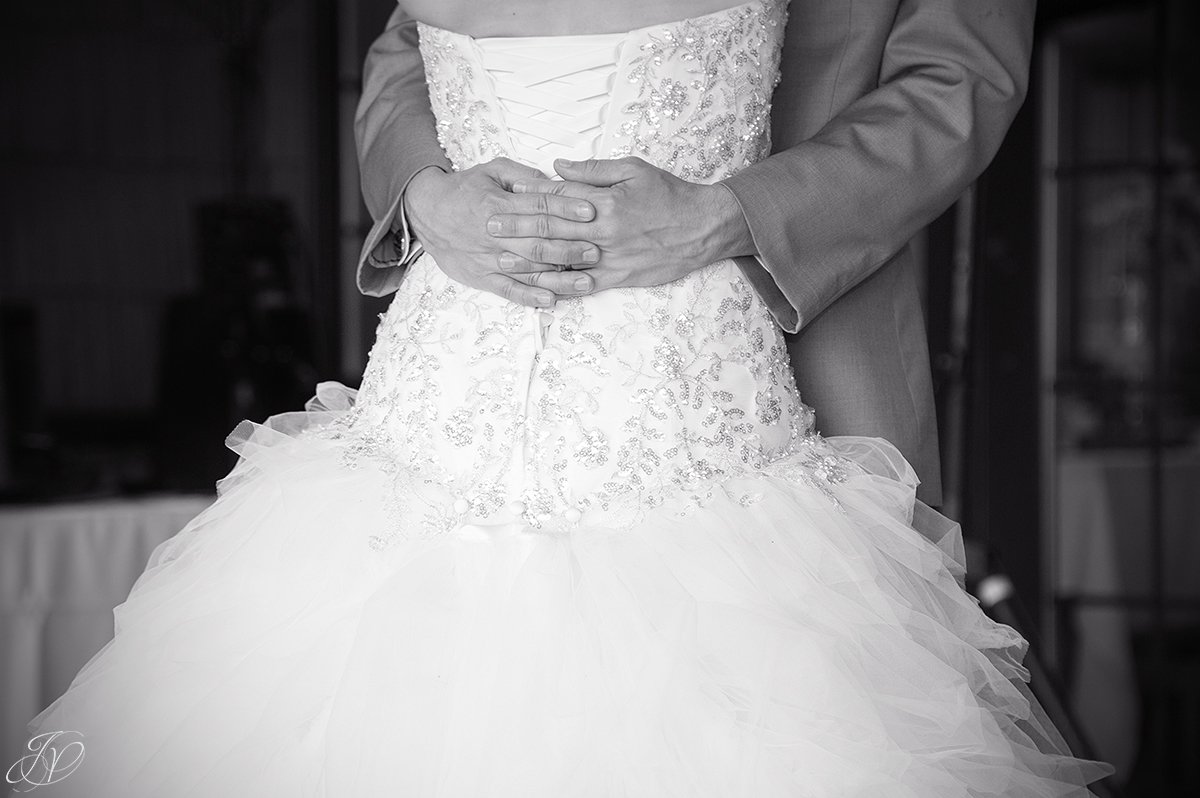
pixel 466 123
pixel 704 88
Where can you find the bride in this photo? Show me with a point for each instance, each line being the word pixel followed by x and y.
pixel 593 549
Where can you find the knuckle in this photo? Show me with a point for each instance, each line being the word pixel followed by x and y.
pixel 541 203
pixel 538 252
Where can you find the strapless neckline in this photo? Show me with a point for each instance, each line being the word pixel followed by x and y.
pixel 579 96
pixel 615 37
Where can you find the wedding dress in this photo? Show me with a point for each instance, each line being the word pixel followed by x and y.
pixel 585 552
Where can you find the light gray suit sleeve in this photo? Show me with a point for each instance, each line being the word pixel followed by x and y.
pixel 829 211
pixel 396 137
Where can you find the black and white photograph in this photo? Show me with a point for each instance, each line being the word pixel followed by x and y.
pixel 600 399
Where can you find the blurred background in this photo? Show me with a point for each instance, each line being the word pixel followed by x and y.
pixel 178 242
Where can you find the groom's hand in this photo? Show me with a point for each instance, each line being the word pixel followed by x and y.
pixel 449 213
pixel 651 226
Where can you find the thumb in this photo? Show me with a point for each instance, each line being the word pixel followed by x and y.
pixel 594 171
pixel 507 171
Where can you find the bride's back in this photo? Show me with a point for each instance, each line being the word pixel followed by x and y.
pixel 554 17
pixel 623 399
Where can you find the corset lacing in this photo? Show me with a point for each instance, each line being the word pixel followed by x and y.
pixel 555 92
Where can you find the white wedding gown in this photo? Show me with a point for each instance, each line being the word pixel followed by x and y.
pixel 589 552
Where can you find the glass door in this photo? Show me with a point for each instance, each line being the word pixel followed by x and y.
pixel 1120 403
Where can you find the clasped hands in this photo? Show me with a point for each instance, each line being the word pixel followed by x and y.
pixel 506 228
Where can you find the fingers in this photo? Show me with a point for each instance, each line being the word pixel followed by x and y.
pixel 514 225
pixel 513 264
pixel 597 171
pixel 506 170
pixel 543 185
pixel 546 204
pixel 526 254
pixel 520 293
pixel 566 283
pixel 538 289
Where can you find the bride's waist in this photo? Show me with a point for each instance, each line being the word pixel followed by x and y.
pixel 554 471
pixel 426 272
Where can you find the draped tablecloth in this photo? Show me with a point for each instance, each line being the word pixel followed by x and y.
pixel 63 568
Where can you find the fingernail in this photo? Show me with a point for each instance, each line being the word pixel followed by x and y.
pixel 591 255
pixel 507 261
pixel 563 162
pixel 583 211
pixel 519 187
pixel 493 226
pixel 583 284
pixel 545 300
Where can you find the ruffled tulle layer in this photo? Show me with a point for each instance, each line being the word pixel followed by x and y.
pixel 796 646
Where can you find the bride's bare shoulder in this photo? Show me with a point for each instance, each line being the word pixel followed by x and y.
pixel 482 18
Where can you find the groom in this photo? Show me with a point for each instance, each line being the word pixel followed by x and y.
pixel 886 110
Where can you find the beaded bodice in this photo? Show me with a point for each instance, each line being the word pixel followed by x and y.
pixel 612 403
pixel 692 97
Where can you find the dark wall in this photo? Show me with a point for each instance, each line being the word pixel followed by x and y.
pixel 116 127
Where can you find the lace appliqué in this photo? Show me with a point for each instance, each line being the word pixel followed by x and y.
pixel 467 125
pixel 710 118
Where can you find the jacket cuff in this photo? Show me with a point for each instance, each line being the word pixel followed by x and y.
pixel 763 280
pixel 389 248
pixel 756 273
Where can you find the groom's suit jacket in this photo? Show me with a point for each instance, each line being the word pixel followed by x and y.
pixel 886 110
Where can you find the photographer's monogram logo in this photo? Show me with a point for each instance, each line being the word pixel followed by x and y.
pixel 53 756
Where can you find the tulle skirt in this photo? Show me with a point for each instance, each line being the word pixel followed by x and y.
pixel 809 644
